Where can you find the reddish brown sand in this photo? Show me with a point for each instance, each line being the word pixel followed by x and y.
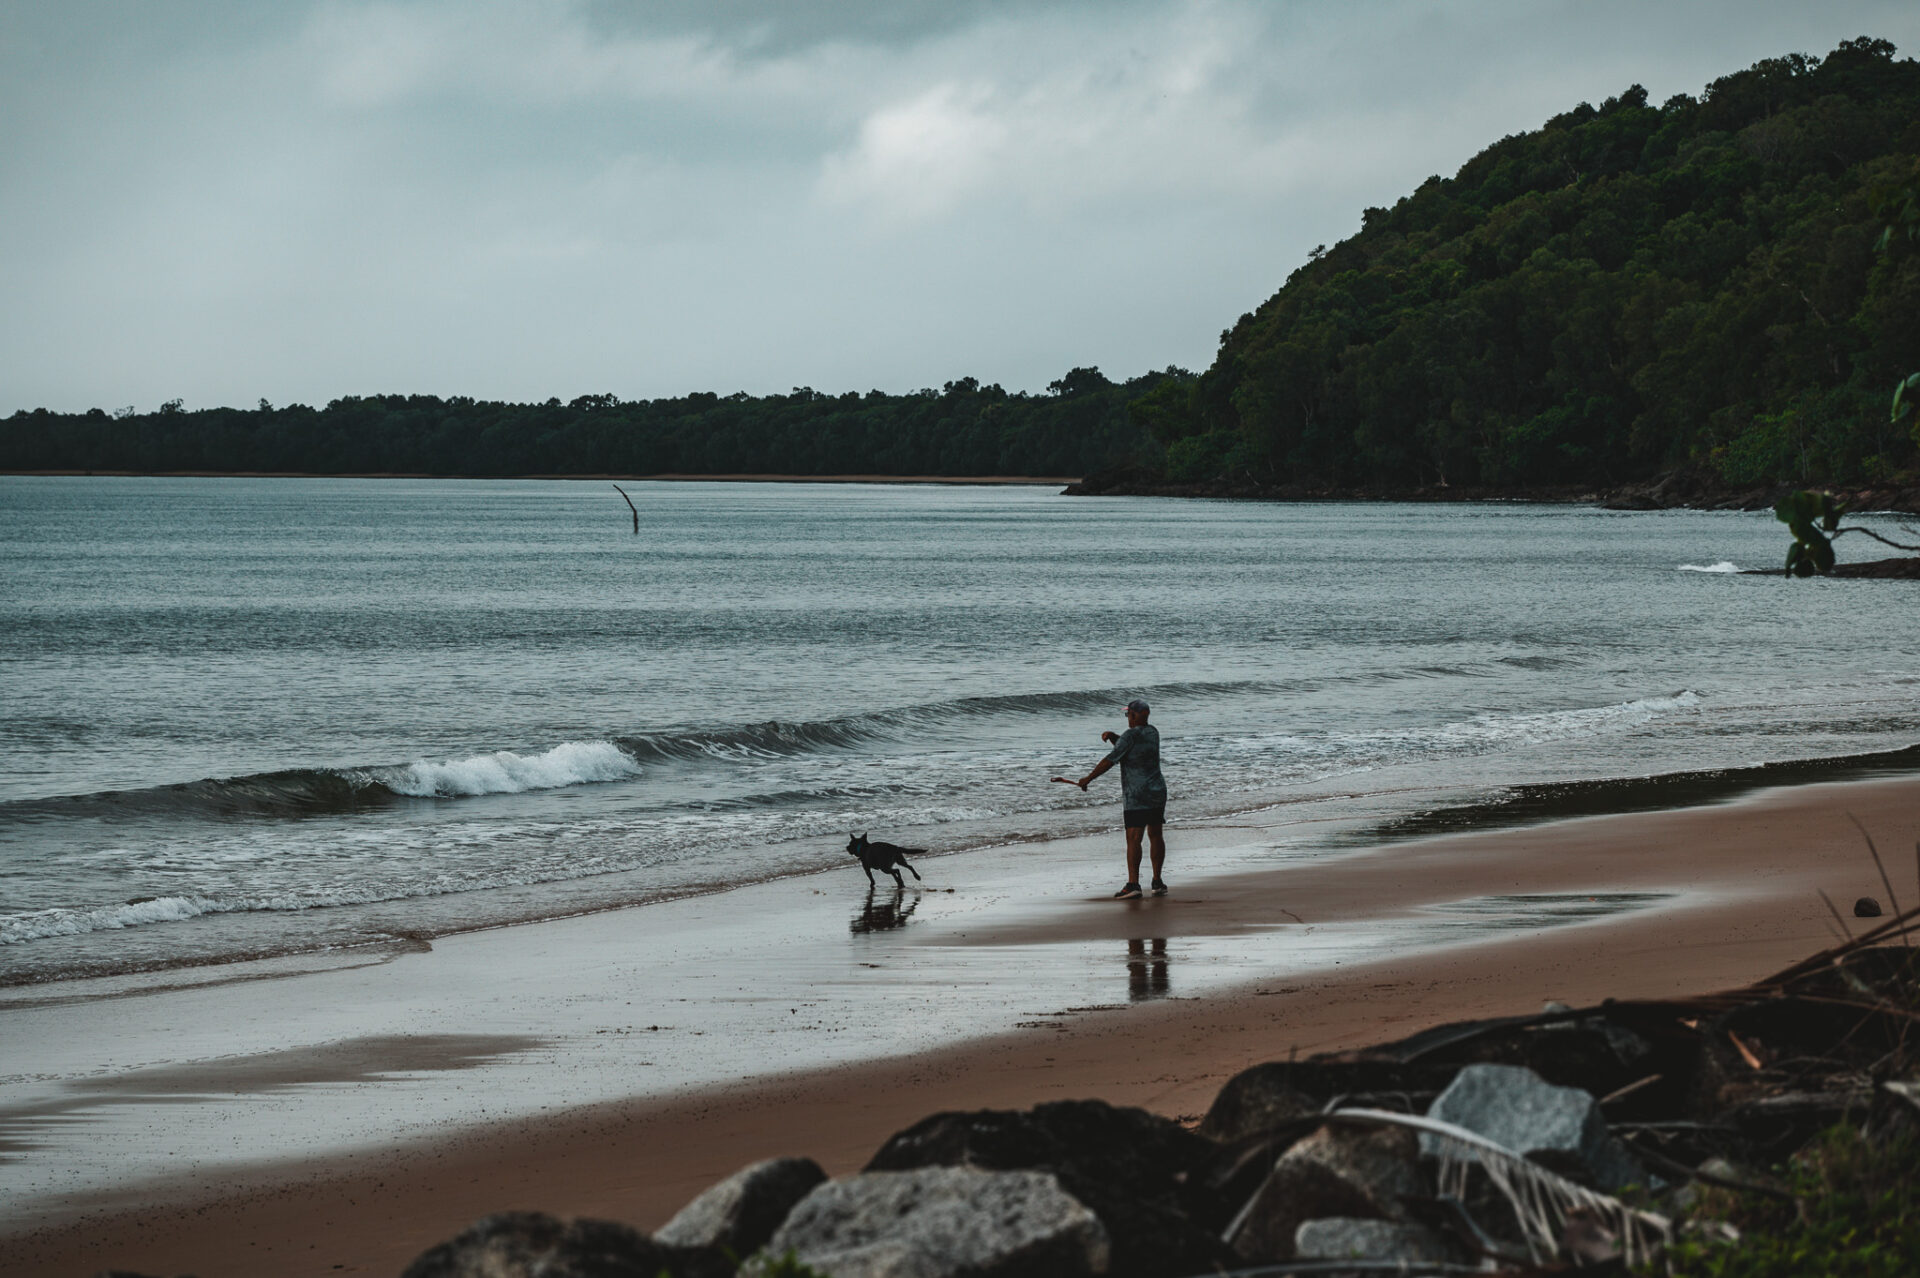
pixel 1752 870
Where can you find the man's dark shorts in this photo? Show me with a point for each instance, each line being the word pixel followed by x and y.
pixel 1146 816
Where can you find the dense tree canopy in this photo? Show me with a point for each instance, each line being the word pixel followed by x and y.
pixel 1627 290
pixel 963 429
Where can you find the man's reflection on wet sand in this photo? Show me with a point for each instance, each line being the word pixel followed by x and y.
pixel 1147 969
pixel 884 914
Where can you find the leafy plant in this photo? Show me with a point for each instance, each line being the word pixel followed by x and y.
pixel 1814 520
pixel 1856 1214
pixel 786 1265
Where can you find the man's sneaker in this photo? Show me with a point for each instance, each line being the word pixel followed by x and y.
pixel 1128 893
pixel 1159 888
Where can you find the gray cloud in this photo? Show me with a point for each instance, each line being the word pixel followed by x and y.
pixel 519 198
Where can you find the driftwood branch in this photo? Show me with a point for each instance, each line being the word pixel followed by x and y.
pixel 1897 545
pixel 630 506
pixel 1893 902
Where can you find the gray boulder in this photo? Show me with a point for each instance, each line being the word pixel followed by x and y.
pixel 1144 1176
pixel 1339 1171
pixel 1561 1128
pixel 742 1211
pixel 532 1244
pixel 938 1222
pixel 1345 1238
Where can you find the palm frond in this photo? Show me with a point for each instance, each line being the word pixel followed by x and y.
pixel 1541 1200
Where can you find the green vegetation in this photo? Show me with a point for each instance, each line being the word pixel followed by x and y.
pixel 1628 290
pixel 1855 1214
pixel 1724 284
pixel 963 429
pixel 786 1265
pixel 1814 520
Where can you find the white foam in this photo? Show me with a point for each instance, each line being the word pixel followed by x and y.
pixel 504 772
pixel 1725 565
pixel 36 925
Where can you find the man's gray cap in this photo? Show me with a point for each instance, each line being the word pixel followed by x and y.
pixel 1137 704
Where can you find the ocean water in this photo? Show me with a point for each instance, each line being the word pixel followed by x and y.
pixel 250 717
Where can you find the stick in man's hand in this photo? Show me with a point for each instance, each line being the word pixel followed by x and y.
pixel 1069 781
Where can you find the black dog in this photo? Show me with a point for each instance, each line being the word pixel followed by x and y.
pixel 883 857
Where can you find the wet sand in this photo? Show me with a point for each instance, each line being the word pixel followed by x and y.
pixel 205 1131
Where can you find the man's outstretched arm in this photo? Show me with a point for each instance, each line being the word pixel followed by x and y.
pixel 1098 768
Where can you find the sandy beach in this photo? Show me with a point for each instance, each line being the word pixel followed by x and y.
pixel 343 1119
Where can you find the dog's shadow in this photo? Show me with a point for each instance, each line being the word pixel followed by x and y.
pixel 1147 962
pixel 884 914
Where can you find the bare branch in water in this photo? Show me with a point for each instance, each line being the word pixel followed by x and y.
pixel 1840 532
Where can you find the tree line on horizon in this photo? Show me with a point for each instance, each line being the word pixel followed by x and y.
pixel 1080 424
pixel 1628 290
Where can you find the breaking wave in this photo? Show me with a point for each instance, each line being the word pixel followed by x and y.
pixel 504 772
pixel 298 792
pixel 35 925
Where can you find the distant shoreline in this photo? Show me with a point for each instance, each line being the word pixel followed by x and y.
pixel 1661 494
pixel 1676 490
pixel 1035 481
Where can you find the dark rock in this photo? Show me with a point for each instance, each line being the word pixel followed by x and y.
pixel 1346 1238
pixel 1256 1100
pixel 1594 1051
pixel 1560 1127
pixel 1338 1170
pixel 1866 908
pixel 742 1211
pixel 532 1244
pixel 941 1221
pixel 1884 569
pixel 1131 1167
pixel 1113 480
pixel 1278 1093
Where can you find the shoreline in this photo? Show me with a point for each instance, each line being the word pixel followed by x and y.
pixel 1520 806
pixel 1662 493
pixel 1027 481
pixel 1676 490
pixel 1744 904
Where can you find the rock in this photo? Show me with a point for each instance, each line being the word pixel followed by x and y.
pixel 523 1244
pixel 1559 1127
pixel 1257 1100
pixel 1341 1171
pixel 742 1211
pixel 1137 1171
pixel 1866 908
pixel 1345 1238
pixel 941 1221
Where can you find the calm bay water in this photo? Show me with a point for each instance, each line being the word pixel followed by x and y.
pixel 259 716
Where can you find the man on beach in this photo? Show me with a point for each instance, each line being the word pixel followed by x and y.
pixel 1143 790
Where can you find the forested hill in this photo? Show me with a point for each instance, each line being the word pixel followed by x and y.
pixel 1080 424
pixel 1629 290
pixel 1691 289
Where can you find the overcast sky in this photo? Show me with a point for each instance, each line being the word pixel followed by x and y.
pixel 224 201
